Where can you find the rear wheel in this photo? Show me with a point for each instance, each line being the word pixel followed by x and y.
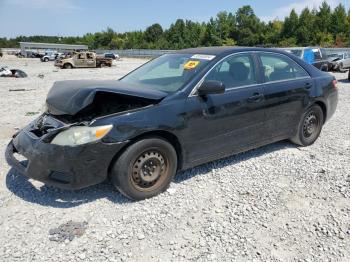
pixel 46 59
pixel 145 169
pixel 310 126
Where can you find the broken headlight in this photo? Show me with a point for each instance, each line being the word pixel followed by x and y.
pixel 78 135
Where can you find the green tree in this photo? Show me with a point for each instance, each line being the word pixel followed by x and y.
pixel 175 34
pixel 212 35
pixel 291 24
pixel 323 19
pixel 339 21
pixel 273 32
pixel 324 26
pixel 249 27
pixel 306 30
pixel 153 33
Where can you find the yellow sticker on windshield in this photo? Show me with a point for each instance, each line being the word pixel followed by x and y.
pixel 191 64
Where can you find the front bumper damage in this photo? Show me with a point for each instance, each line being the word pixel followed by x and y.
pixel 67 167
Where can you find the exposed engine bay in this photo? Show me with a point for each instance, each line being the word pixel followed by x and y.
pixel 106 104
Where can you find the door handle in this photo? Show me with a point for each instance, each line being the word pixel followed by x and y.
pixel 255 97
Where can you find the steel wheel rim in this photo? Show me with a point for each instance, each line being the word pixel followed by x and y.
pixel 310 126
pixel 149 170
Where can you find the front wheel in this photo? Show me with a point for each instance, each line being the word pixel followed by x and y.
pixel 145 169
pixel 309 127
pixel 67 66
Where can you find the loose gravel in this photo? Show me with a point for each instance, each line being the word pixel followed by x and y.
pixel 276 203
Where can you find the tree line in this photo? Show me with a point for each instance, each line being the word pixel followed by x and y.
pixel 323 26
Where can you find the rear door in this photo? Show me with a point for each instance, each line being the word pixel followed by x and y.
pixel 229 122
pixel 286 92
pixel 90 60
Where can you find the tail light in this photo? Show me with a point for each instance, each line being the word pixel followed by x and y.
pixel 334 83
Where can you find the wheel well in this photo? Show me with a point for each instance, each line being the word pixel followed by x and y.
pixel 169 137
pixel 324 109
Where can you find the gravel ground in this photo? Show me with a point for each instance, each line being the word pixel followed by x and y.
pixel 276 203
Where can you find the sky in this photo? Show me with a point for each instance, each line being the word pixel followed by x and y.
pixel 77 17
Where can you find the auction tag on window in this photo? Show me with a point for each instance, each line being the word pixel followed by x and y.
pixel 203 57
pixel 191 64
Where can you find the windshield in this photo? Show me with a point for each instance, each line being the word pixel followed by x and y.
pixel 168 73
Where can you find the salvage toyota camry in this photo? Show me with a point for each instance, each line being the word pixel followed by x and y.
pixel 173 113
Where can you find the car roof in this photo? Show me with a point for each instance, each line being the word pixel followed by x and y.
pixel 222 50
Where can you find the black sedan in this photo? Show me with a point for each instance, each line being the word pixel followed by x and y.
pixel 173 113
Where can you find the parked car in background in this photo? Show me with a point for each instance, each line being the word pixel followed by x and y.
pixel 49 56
pixel 321 59
pixel 83 59
pixel 29 54
pixel 331 58
pixel 175 112
pixel 312 55
pixel 111 55
pixel 6 72
pixel 342 62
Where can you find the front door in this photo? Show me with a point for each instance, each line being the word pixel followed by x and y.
pixel 226 123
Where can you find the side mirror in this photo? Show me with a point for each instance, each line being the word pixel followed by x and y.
pixel 211 88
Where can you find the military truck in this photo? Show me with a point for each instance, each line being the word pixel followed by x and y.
pixel 83 60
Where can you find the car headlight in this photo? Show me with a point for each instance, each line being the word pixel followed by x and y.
pixel 78 135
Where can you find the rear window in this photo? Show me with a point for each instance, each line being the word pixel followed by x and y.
pixel 281 68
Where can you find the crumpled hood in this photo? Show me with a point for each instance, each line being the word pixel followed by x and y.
pixel 70 97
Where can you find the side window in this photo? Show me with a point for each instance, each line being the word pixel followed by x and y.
pixel 279 68
pixel 317 54
pixel 81 56
pixel 323 53
pixel 235 71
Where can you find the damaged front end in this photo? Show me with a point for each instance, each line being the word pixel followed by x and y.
pixel 65 146
pixel 59 164
pixel 105 104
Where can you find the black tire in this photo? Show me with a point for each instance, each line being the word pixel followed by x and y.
pixel 310 126
pixel 145 169
pixel 67 66
pixel 46 59
pixel 324 68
